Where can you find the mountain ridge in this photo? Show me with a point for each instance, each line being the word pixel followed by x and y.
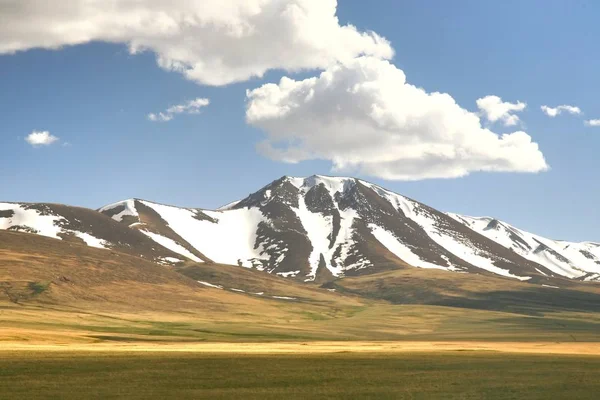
pixel 286 208
pixel 320 227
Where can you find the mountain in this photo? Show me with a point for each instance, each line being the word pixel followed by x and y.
pixel 82 225
pixel 319 228
pixel 313 229
pixel 573 260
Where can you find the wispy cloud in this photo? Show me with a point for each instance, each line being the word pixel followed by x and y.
pixel 40 138
pixel 162 117
pixel 554 111
pixel 190 107
pixel 494 109
pixel 593 122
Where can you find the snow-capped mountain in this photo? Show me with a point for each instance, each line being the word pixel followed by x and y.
pixel 313 229
pixel 320 227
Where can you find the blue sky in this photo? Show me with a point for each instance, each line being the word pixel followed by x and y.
pixel 96 97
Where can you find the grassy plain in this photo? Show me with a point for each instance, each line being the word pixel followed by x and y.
pixel 425 375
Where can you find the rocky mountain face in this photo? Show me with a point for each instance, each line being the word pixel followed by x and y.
pixel 315 229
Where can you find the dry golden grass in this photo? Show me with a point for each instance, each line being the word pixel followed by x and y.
pixel 317 347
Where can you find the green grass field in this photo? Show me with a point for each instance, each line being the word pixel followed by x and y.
pixel 449 375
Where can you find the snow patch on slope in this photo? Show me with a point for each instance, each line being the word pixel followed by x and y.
pixel 169 260
pixel 593 277
pixel 129 210
pixel 229 240
pixel 44 225
pixel 91 240
pixel 345 243
pixel 332 184
pixel 171 245
pixel 228 205
pixel 210 285
pixel 318 227
pixel 400 250
pixel 288 274
pixel 32 221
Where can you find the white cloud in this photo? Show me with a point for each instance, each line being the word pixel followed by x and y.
pixel 213 42
pixel 162 117
pixel 554 111
pixel 363 117
pixel 190 107
pixel 40 138
pixel 593 122
pixel 494 109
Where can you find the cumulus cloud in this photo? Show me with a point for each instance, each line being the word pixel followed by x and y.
pixel 593 122
pixel 494 109
pixel 364 117
pixel 554 111
pixel 40 138
pixel 213 42
pixel 190 107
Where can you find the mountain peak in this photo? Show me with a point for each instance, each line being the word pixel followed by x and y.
pixel 333 184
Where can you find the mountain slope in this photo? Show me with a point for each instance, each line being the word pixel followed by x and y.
pixel 81 225
pixel 435 287
pixel 318 228
pixel 572 260
pixel 68 273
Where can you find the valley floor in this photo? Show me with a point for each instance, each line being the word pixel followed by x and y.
pixel 381 375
